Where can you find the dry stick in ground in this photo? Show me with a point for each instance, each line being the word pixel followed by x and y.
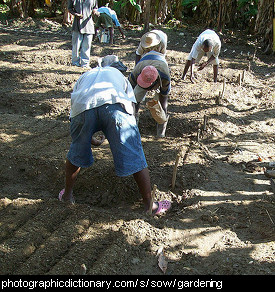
pixel 240 79
pixel 202 128
pixel 198 133
pixel 221 94
pixel 179 155
pixel 205 118
pixel 152 199
pixel 182 154
pixel 243 75
pixel 269 217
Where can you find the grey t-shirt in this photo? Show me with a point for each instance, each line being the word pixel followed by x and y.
pixel 84 7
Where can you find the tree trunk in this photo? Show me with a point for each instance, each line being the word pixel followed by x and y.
pixel 178 11
pixel 218 13
pixel 264 22
pixel 147 4
pixel 22 8
pixel 67 16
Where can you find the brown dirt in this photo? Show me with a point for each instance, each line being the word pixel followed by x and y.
pixel 223 215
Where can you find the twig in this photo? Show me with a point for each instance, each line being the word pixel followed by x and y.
pixel 179 155
pixel 223 88
pixel 205 118
pixel 221 94
pixel 269 217
pixel 254 55
pixel 243 75
pixel 240 80
pixel 152 199
pixel 198 134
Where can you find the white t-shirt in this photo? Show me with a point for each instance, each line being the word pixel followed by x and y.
pixel 206 35
pixel 101 85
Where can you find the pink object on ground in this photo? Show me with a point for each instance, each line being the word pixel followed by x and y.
pixel 163 207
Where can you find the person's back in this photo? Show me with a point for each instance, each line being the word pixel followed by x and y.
pixel 211 36
pixel 208 42
pixel 99 86
pixel 157 60
pixel 99 103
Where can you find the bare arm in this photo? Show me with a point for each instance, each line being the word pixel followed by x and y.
pixel 98 140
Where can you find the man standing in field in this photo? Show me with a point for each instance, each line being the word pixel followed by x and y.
pixel 82 30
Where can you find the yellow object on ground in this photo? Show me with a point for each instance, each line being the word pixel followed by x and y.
pixel 48 3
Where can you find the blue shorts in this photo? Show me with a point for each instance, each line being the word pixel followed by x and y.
pixel 121 131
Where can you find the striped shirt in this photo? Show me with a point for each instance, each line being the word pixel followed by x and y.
pixel 158 61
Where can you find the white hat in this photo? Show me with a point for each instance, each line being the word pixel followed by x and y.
pixel 107 60
pixel 149 39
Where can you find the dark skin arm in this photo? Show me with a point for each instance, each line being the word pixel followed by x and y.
pixel 204 64
pixel 138 57
pixel 189 63
pixel 121 32
pixel 97 141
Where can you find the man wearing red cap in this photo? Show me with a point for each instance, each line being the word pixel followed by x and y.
pixel 151 73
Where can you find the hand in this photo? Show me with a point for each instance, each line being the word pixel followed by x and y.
pixel 96 13
pixel 192 77
pixel 98 140
pixel 79 15
pixel 201 66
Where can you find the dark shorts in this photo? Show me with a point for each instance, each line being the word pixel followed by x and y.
pixel 105 20
pixel 121 131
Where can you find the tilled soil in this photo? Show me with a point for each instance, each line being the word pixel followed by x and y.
pixel 223 215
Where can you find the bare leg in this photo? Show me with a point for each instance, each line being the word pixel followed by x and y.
pixel 187 65
pixel 142 179
pixel 163 102
pixel 111 30
pixel 71 174
pixel 121 32
pixel 95 35
pixel 215 69
pixel 161 128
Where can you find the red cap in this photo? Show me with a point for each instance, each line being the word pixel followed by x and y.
pixel 147 77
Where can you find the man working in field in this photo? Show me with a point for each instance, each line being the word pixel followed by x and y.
pixel 151 73
pixel 208 42
pixel 108 18
pixel 103 100
pixel 155 40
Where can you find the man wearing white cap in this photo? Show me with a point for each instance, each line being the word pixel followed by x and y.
pixel 151 73
pixel 103 100
pixel 207 42
pixel 155 40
